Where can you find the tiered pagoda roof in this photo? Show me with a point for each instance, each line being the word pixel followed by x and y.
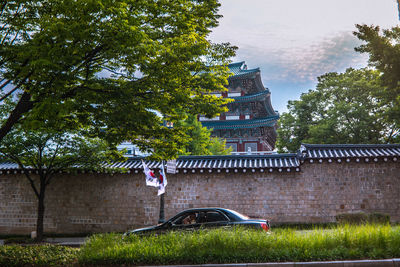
pixel 239 69
pixel 250 109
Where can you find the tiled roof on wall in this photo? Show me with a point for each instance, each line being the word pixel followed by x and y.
pixel 280 162
pixel 8 166
pixel 229 163
pixel 268 163
pixel 350 152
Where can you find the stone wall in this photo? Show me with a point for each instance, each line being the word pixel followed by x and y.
pixel 102 202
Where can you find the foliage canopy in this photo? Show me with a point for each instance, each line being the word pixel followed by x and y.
pixel 343 109
pixel 111 67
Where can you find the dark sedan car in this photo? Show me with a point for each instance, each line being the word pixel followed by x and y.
pixel 193 219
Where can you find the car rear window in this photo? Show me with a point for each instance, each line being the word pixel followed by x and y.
pixel 213 216
pixel 234 215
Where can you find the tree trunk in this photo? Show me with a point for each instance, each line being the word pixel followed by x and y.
pixel 40 212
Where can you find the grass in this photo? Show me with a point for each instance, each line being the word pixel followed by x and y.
pixel 218 246
pixel 244 245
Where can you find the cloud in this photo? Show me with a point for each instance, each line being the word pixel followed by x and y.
pixel 304 65
pixel 292 70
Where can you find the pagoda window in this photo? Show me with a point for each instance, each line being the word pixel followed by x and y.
pixel 202 118
pixel 250 147
pixel 234 94
pixel 232 117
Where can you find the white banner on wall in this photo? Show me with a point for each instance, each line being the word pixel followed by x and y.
pixel 171 166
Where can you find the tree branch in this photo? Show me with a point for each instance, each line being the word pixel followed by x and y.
pixel 3 7
pixel 16 75
pixel 16 87
pixel 24 105
pixel 4 84
pixel 26 172
pixel 53 158
pixel 27 175
pixel 9 93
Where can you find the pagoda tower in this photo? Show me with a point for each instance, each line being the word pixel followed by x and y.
pixel 251 122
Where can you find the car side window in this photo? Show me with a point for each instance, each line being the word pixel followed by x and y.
pixel 187 219
pixel 214 216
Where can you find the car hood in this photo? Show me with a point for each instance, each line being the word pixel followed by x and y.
pixel 142 230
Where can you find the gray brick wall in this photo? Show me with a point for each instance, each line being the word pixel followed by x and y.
pixel 103 202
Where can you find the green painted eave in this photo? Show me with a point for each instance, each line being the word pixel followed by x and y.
pixel 239 69
pixel 251 97
pixel 269 121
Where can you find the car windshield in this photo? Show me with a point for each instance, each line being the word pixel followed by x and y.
pixel 239 215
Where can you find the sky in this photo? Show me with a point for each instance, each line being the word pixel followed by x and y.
pixel 293 42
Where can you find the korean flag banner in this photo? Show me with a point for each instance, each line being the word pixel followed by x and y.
pixel 151 179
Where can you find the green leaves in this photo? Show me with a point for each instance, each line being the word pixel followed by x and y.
pixel 199 139
pixel 383 48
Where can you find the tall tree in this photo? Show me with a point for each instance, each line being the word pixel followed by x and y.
pixel 112 66
pixel 200 141
pixel 383 47
pixel 42 155
pixel 342 109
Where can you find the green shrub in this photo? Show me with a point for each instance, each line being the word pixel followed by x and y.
pixel 37 255
pixel 378 218
pixel 360 218
pixel 303 226
pixel 352 218
pixel 19 240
